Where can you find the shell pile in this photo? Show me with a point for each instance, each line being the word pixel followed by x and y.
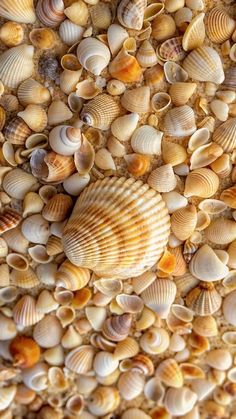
pixel 117 209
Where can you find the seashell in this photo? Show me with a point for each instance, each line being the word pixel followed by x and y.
pixel 205 326
pixel 66 315
pixel 46 192
pixel 57 208
pixel 174 201
pixel 154 77
pixel 35 377
pixel 171 50
pixel 124 126
pixel 173 153
pixel 127 348
pixel 9 219
pixel 201 182
pixel 16 65
pixel 38 254
pixel 101 16
pixel 58 112
pixel 25 351
pixel 170 373
pixel 7 395
pixel 136 100
pixel 72 277
pixel 70 62
pixel 160 101
pixel 125 67
pixel 146 140
pixel 58 167
pixel 105 363
pixel 224 135
pixel 17 261
pixel 10 103
pixel 179 401
pixel 183 222
pixel 195 33
pixel 133 412
pixel 174 73
pixel 17 183
pixel 74 184
pixel 87 89
pixel 93 55
pixel 80 359
pixel 78 13
pixel 111 268
pixel 204 300
pixel 32 92
pixel 70 33
pixel 183 18
pixel 15 239
pixel 50 12
pixel 25 313
pixel 154 390
pixel 84 157
pixel 100 112
pixel 129 303
pixel 11 34
pixel 220 109
pixel 130 13
pixel 22 12
pixel 8 328
pixel 221 231
pixel 229 308
pixel 116 35
pixel 212 206
pixel 137 164
pixel 3 248
pixel 42 330
pixel 180 122
pixel 35 229
pixel 220 359
pixel 204 64
pixel 146 55
pixel 229 338
pixel 231 252
pixel 206 266
pixel 155 341
pixel 35 117
pixel 71 338
pixel 103 400
pixel 141 282
pixel 96 316
pixel 43 38
pixel 220 25
pixel 130 384
pixel 8 153
pixel 104 160
pixel 181 92
pixel 45 302
pixel 159 296
pixel 115 87
pixel 32 204
pixel 46 273
pixel 54 246
pixel 116 328
pixel 162 179
pixel 163 27
pixel 205 155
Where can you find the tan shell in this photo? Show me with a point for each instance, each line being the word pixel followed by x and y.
pixel 201 182
pixel 136 100
pixel 11 34
pixel 154 77
pixel 181 92
pixel 173 153
pixel 204 64
pixel 16 65
pixel 221 231
pixel 195 33
pixel 162 179
pixel 130 13
pixel 72 277
pixel 129 303
pixel 70 33
pixel 124 126
pixel 22 11
pixel 80 359
pixel 220 359
pixel 101 15
pixel 25 312
pixel 169 372
pixel 205 326
pixel 9 219
pixel 179 401
pixel 163 27
pixel 205 155
pixel 204 300
pixel 32 92
pixel 130 385
pixel 58 112
pixel 50 13
pixel 155 341
pixel 7 395
pixel 183 222
pixel 146 55
pixel 220 25
pixel 100 112
pixel 117 328
pixel 35 117
pixel 57 208
pixel 159 296
pixel 180 122
pixel 206 266
pixel 146 140
pixel 84 157
pixel 103 400
pixel 224 135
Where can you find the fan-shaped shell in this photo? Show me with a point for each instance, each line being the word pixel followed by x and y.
pixel 70 33
pixel 163 27
pixel 32 92
pixel 171 50
pixel 205 326
pixel 206 266
pixel 35 117
pixel 17 183
pixel 9 219
pixel 105 363
pixel 43 331
pixel 136 100
pixel 16 65
pixel 181 92
pixel 100 112
pixel 72 277
pixel 220 25
pixel 159 296
pixel 84 254
pixel 170 373
pixel 195 33
pixel 80 359
pixel 146 140
pixel 93 55
pixel 180 122
pixel 204 300
pixel 130 13
pixel 7 395
pixel 225 135
pixel 228 196
pixel 179 401
pixel 127 348
pixel 183 222
pixel 50 12
pixel 57 208
pixel 24 279
pixel 130 384
pixel 204 64
pixel 36 229
pixel 25 312
pixel 21 11
pixel 58 112
pixel 221 231
pixel 201 182
pixel 162 179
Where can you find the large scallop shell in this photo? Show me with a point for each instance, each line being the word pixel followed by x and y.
pixel 93 55
pixel 180 122
pixel 204 64
pixel 220 25
pixel 103 196
pixel 19 11
pixel 225 135
pixel 206 266
pixel 201 182
pixel 50 12
pixel 100 112
pixel 159 296
pixel 130 13
pixel 16 65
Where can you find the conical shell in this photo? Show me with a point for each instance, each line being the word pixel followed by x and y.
pixel 136 100
pixel 18 182
pixel 181 92
pixel 80 359
pixel 162 179
pixel 100 112
pixel 11 34
pixel 221 231
pixel 35 117
pixel 220 25
pixel 146 140
pixel 50 12
pixel 195 33
pixel 117 328
pixel 24 279
pixel 103 400
pixel 130 13
pixel 32 92
pixel 57 208
pixel 225 135
pixel 155 341
pixel 43 331
pixel 17 131
pixel 206 266
pixel 159 296
pixel 201 182
pixel 16 65
pixel 72 277
pixel 183 222
pixel 70 33
pixel 25 312
pixel 204 300
pixel 124 126
pixel 86 255
pixel 58 112
pixel 179 401
pixel 93 55
pixel 180 122
pixel 125 67
pixel 146 55
pixel 169 372
pixel 9 219
pixel 204 64
pixel 21 11
pixel 130 385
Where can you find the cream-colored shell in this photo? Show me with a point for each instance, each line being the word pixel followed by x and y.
pixel 180 122
pixel 93 55
pixel 201 182
pixel 159 296
pixel 21 11
pixel 16 65
pixel 130 13
pixel 204 64
pixel 195 33
pixel 124 126
pixel 147 140
pixel 162 179
pixel 17 183
pixel 179 401
pixel 35 117
pixel 221 359
pixel 116 35
pixel 70 33
pixel 130 384
pixel 206 266
pixel 65 140
pixel 32 92
pixel 80 359
pixel 43 331
pixel 221 231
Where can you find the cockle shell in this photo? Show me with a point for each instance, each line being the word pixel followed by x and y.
pixel 80 359
pixel 174 72
pixel 35 117
pixel 87 257
pixel 50 12
pixel 225 135
pixel 205 326
pixel 181 92
pixel 173 153
pixel 25 278
pixel 8 328
pixel 125 67
pixel 100 112
pixel 32 92
pixel 93 55
pixel 220 25
pixel 103 400
pixel 146 140
pixel 221 231
pixel 72 277
pixel 159 296
pixel 183 222
pixel 16 65
pixel 58 112
pixel 180 122
pixel 179 401
pixel 169 372
pixel 204 64
pixel 130 384
pixel 15 238
pixel 25 312
pixel 18 182
pixel 70 33
pixel 22 11
pixel 9 103
pixel 9 219
pixel 204 300
pixel 222 166
pixel 54 246
pixel 220 359
pixel 136 100
pixel 206 266
pixel 124 126
pixel 36 229
pixel 57 208
pixel 11 34
pixel 162 179
pixel 130 13
pixel 201 182
pixel 42 334
pixel 45 302
pixel 127 348
pixel 16 131
pixel 51 167
pixel 101 16
pixel 105 363
pixel 163 27
pixel 195 33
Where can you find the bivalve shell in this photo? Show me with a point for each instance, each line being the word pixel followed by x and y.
pixel 195 33
pixel 9 219
pixel 57 208
pixel 130 13
pixel 220 25
pixel 11 34
pixel 80 359
pixel 124 126
pixel 103 400
pixel 7 395
pixel 221 231
pixel 225 135
pixel 72 277
pixel 116 35
pixel 201 182
pixel 159 296
pixel 220 359
pixel 32 92
pixel 22 11
pixel 180 122
pixel 17 183
pixel 70 33
pixel 204 300
pixel 204 64
pixel 181 92
pixel 136 100
pixel 25 312
pixel 205 326
pixel 183 222
pixel 35 117
pixel 229 308
pixel 16 65
pixel 105 363
pixel 228 196
pixel 162 179
pixel 146 55
pixel 36 229
pixel 206 266
pixel 170 373
pixel 131 384
pixel 117 328
pixel 146 140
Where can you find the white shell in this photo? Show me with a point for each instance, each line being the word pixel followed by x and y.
pixel 179 401
pixel 124 126
pixel 36 377
pixel 70 33
pixel 93 55
pixel 147 140
pixel 206 266
pixel 7 395
pixel 21 11
pixel 131 384
pixel 105 363
pixel 36 229
pixel 229 308
pixel 65 140
pixel 116 35
pixel 75 183
pixel 16 65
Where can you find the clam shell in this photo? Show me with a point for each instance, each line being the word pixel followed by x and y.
pixel 170 373
pixel 57 208
pixel 155 341
pixel 127 348
pixel 54 246
pixel 146 55
pixel 50 12
pixel 87 89
pixel 75 183
pixel 195 33
pixel 43 38
pixel 7 395
pixel 103 400
pixel 35 117
pixel 136 100
pixel 171 50
pixel 206 266
pixel 225 135
pixel 96 317
pixel 58 112
pixel 229 308
pixel 100 112
pixel 8 328
pixel 183 222
pixel 201 182
pixel 42 331
pixel 179 401
pixel 15 240
pixel 204 300
pixel 45 302
pixel 32 204
pixel 205 326
pixel 146 140
pixel 162 179
pixel 32 92
pixel 130 385
pixel 22 11
pixel 146 320
pixel 160 101
pixel 70 33
pixel 80 359
pixel 125 67
pixel 212 206
pixel 205 155
pixel 133 413
pixel 105 363
pixel 17 183
pixel 124 126
pixel 220 25
pixel 116 35
pixel 174 73
pixel 11 34
pixel 204 64
pixel 230 78
pixel 25 312
pixel 101 16
pixel 16 65
pixel 130 13
pixel 163 27
pixel 154 77
pixel 9 102
pixel 72 277
pixel 221 231
pixel 173 153
pixel 129 303
pixel 220 359
pixel 174 201
pixel 84 157
pixel 93 55
pixel 159 296
pixel 35 229
pixel 117 328
pixel 9 219
pixel 181 92
pixel 180 122
pixel 111 267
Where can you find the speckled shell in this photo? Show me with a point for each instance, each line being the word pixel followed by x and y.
pixel 16 65
pixel 159 296
pixel 93 55
pixel 204 64
pixel 21 11
pixel 130 13
pixel 109 191
pixel 50 12
pixel 100 112
pixel 180 122
pixel 225 135
pixel 220 25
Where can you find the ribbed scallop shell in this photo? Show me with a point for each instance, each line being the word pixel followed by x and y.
pixel 106 196
pixel 103 400
pixel 204 64
pixel 180 122
pixel 146 140
pixel 17 131
pixel 80 359
pixel 162 179
pixel 105 364
pixel 170 373
pixel 129 303
pixel 127 348
pixel 179 401
pixel 59 167
pixel 225 135
pixel 131 384
pixel 19 11
pixel 117 328
pixel 32 92
pixel 195 33
pixel 201 182
pixel 221 231
pixel 130 13
pixel 204 300
pixel 17 183
pixel 100 112
pixel 72 277
pixel 159 296
pixel 70 33
pixel 146 55
pixel 25 312
pixel 9 219
pixel 58 112
pixel 183 222
pixel 16 65
pixel 181 92
pixel 57 208
pixel 228 196
pixel 93 55
pixel 24 279
pixel 205 326
pixel 35 117
pixel 48 331
pixel 206 266
pixel 136 100
pixel 220 25
pixel 50 12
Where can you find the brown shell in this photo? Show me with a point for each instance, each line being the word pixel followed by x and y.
pixel 9 219
pixel 17 131
pixel 57 208
pixel 117 328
